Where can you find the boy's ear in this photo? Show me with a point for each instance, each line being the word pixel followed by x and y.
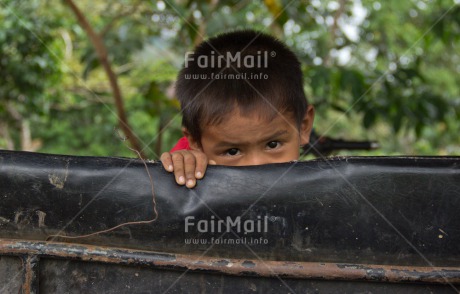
pixel 307 125
pixel 194 144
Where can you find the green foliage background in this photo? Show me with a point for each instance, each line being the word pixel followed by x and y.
pixel 375 70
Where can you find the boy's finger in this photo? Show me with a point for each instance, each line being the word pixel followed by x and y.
pixel 167 161
pixel 201 164
pixel 189 166
pixel 178 162
pixel 212 162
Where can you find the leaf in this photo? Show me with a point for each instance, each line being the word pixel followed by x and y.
pixel 277 11
pixel 369 119
pixel 91 64
pixel 397 121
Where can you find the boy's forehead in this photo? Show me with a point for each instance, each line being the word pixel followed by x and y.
pixel 260 114
pixel 250 125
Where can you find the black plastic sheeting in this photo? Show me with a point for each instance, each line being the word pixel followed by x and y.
pixel 366 210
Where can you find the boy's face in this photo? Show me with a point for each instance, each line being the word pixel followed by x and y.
pixel 251 140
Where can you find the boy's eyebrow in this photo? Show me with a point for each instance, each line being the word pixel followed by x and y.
pixel 274 136
pixel 268 138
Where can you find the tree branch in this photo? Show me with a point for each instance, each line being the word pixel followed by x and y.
pixel 102 54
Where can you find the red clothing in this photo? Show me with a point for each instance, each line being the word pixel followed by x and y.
pixel 182 144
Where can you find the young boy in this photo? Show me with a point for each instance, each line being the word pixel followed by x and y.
pixel 243 103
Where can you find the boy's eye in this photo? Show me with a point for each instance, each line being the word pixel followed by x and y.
pixel 233 151
pixel 273 144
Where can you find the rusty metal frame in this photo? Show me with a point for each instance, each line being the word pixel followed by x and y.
pixel 31 252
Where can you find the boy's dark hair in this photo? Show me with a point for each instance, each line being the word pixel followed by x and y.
pixel 208 92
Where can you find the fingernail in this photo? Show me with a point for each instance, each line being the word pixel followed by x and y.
pixel 170 168
pixel 190 183
pixel 181 180
pixel 198 174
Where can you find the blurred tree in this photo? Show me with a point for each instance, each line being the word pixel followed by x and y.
pixel 29 71
pixel 378 70
pixel 102 54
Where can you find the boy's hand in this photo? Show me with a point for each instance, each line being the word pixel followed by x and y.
pixel 187 165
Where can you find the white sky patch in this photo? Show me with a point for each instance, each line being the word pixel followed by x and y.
pixel 316 3
pixel 197 14
pixel 161 5
pixel 291 27
pixel 333 5
pixel 404 60
pixel 350 31
pixel 288 27
pixel 421 5
pixel 319 19
pixel 250 16
pixel 155 18
pixel 317 61
pixel 296 28
pixel 392 66
pixel 343 56
pixel 267 21
pixel 371 54
pixel 359 12
pixel 350 25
